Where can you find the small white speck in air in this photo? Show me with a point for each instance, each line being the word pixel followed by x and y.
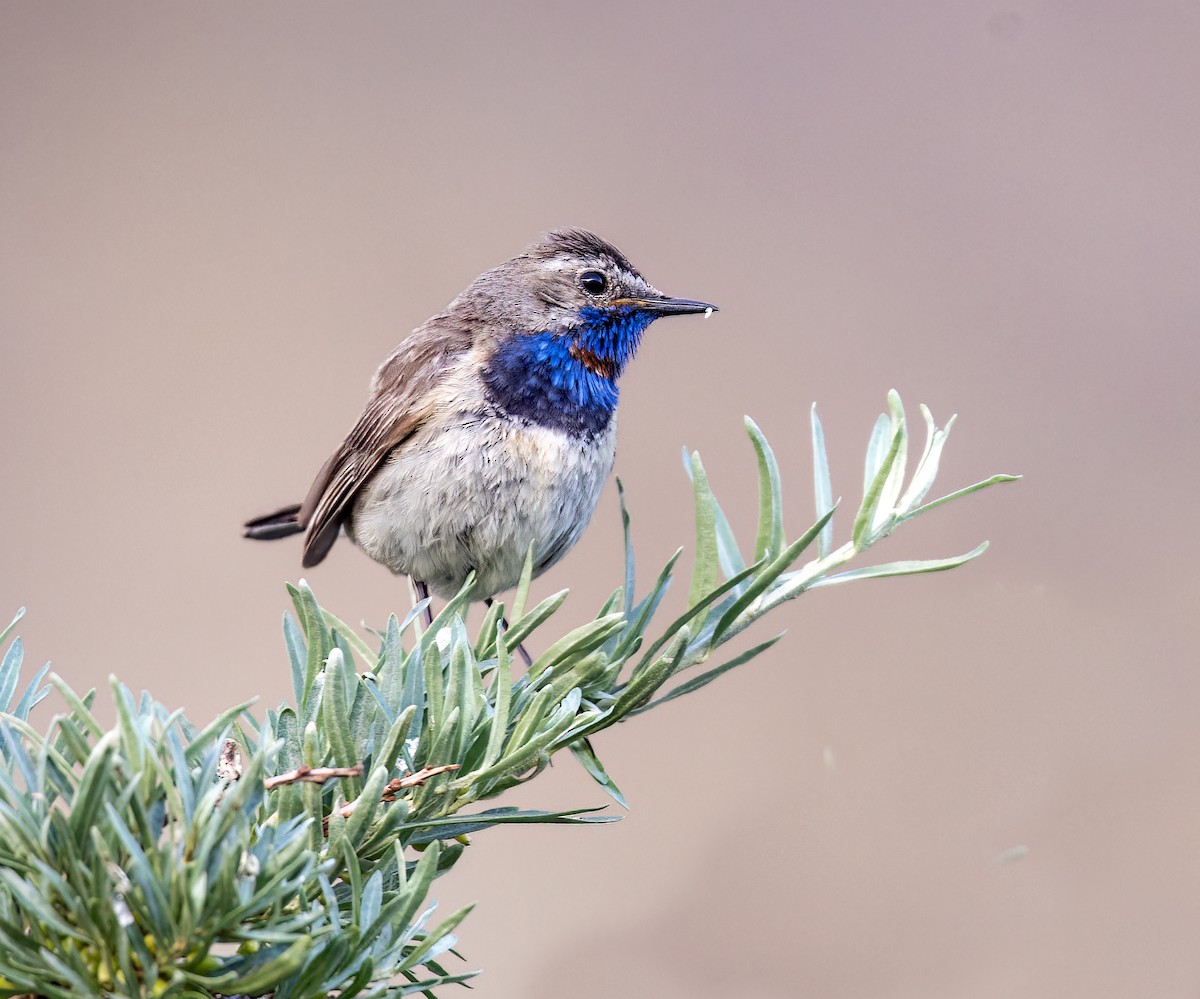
pixel 1013 854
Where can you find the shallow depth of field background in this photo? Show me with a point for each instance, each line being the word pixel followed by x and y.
pixel 216 220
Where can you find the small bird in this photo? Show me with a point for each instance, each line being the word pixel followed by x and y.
pixel 492 427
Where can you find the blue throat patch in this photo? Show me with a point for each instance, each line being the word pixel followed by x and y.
pixel 567 381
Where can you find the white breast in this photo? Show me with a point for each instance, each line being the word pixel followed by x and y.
pixel 475 494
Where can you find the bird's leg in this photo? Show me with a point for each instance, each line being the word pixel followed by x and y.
pixel 423 594
pixel 525 657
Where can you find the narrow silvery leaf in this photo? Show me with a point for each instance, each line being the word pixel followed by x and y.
pixel 434 830
pixel 644 611
pixel 927 470
pixel 732 561
pixel 335 710
pixel 134 737
pixel 521 597
pixel 287 728
pixel 368 803
pixel 414 615
pixel 80 707
pixel 931 431
pixel 389 674
pixel 581 672
pixel 647 679
pixel 895 478
pixel 14 753
pixel 95 784
pixel 577 642
pixel 586 755
pixel 866 512
pixel 370 900
pixel 877 448
pixel 704 573
pixel 958 493
pixel 822 484
pixel 906 568
pixel 297 655
pixel 528 723
pixel 469 689
pixel 630 568
pixel 441 935
pixel 390 754
pixel 455 607
pixel 414 689
pixel 12 624
pixel 485 647
pixel 453 670
pixel 472 699
pixel 770 536
pixel 502 692
pixel 696 682
pixel 10 670
pixel 615 604
pixel 521 628
pixel 437 750
pixel 435 680
pixel 316 639
pixel 368 657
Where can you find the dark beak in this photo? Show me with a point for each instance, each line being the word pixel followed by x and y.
pixel 665 306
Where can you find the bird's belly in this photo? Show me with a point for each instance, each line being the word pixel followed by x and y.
pixel 475 495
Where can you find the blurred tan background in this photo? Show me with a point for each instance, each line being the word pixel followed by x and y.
pixel 216 220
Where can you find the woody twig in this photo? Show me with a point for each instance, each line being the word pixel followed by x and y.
pixel 393 787
pixel 311 775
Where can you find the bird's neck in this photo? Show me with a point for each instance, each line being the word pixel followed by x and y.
pixel 568 380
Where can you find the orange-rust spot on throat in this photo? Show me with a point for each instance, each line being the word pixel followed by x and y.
pixel 597 365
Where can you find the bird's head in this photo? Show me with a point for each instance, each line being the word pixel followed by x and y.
pixel 582 291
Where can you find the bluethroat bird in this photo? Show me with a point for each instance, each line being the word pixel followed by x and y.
pixel 492 427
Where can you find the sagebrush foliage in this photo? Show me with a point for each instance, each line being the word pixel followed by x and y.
pixel 293 855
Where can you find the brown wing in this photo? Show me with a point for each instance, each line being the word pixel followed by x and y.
pixel 402 399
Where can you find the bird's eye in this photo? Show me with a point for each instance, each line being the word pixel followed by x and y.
pixel 593 282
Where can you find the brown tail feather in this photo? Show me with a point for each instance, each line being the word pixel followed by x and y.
pixel 316 548
pixel 279 524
